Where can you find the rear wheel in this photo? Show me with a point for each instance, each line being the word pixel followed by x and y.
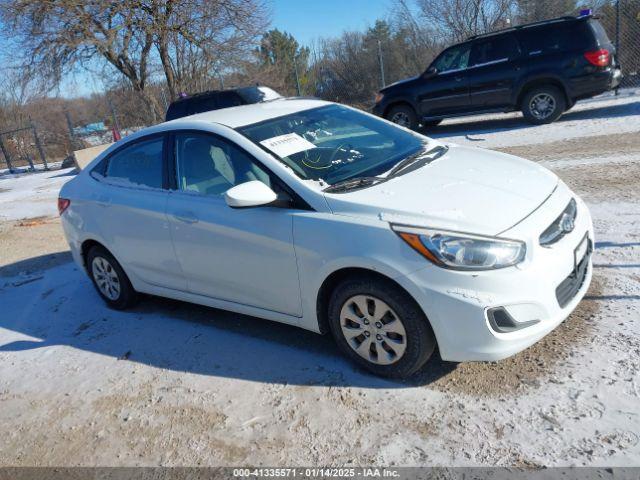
pixel 378 326
pixel 109 278
pixel 403 115
pixel 543 104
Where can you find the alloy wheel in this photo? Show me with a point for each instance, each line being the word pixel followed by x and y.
pixel 373 330
pixel 106 278
pixel 542 105
pixel 401 119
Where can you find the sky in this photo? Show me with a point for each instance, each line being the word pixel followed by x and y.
pixel 310 20
pixel 306 20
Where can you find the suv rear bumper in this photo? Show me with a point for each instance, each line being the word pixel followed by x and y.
pixel 595 83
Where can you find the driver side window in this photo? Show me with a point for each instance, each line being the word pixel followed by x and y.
pixel 209 165
pixel 455 58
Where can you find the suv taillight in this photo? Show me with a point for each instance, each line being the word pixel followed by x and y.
pixel 599 58
pixel 63 204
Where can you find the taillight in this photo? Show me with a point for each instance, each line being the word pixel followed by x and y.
pixel 599 58
pixel 63 204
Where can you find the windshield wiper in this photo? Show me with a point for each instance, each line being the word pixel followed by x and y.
pixel 351 183
pixel 418 159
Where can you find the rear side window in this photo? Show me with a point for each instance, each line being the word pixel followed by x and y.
pixel 558 37
pixel 494 49
pixel 138 165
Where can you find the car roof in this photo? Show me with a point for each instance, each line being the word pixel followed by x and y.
pixel 542 23
pixel 242 115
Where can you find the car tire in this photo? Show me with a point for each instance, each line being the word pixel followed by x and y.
pixel 395 324
pixel 542 105
pixel 109 279
pixel 403 115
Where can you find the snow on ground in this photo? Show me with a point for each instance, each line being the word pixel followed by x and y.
pixel 601 116
pixel 31 195
pixel 169 383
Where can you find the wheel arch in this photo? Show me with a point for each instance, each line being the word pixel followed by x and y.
pixel 398 102
pixel 334 278
pixel 87 245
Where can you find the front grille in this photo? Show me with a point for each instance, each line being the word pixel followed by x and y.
pixel 560 226
pixel 571 285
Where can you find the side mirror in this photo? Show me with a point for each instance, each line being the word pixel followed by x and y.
pixel 249 194
pixel 430 72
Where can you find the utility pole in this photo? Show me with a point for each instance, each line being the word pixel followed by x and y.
pixel 381 61
pixel 295 69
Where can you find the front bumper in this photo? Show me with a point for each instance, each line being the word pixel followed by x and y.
pixel 456 303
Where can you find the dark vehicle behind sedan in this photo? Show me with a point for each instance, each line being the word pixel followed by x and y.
pixel 541 69
pixel 217 99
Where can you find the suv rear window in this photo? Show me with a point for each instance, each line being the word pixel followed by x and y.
pixel 600 32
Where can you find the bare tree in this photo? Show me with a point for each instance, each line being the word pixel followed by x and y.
pixel 455 20
pixel 128 35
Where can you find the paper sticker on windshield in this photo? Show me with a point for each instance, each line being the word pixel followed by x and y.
pixel 285 145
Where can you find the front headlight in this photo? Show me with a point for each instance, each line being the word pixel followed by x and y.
pixel 461 251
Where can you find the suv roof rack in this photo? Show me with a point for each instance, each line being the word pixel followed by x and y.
pixel 528 25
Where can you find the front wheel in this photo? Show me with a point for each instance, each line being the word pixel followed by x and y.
pixel 380 327
pixel 543 105
pixel 403 115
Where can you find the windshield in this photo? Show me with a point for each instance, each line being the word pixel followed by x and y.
pixel 334 143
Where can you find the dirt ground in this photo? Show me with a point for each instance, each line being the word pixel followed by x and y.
pixel 176 384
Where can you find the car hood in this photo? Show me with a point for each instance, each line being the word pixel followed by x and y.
pixel 400 83
pixel 468 189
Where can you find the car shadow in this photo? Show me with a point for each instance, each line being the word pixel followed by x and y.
pixel 479 126
pixel 51 301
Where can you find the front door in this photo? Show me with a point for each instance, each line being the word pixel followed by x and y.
pixel 241 255
pixel 447 90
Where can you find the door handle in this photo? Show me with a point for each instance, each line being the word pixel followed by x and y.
pixel 457 79
pixel 185 217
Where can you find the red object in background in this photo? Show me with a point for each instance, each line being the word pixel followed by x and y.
pixel 116 134
pixel 63 204
pixel 599 58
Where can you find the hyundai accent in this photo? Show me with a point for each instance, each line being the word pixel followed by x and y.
pixel 331 219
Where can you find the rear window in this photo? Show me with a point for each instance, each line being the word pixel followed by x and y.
pixel 138 165
pixel 558 37
pixel 600 32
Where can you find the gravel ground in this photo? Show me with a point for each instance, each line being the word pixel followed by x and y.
pixel 176 384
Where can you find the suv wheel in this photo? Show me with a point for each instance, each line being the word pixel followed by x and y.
pixel 403 115
pixel 380 327
pixel 543 105
pixel 109 278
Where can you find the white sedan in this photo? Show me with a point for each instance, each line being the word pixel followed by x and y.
pixel 324 217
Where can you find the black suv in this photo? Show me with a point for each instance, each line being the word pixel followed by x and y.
pixel 216 99
pixel 541 68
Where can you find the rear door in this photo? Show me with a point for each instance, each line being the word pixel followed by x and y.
pixel 128 205
pixel 447 91
pixel 495 66
pixel 240 255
